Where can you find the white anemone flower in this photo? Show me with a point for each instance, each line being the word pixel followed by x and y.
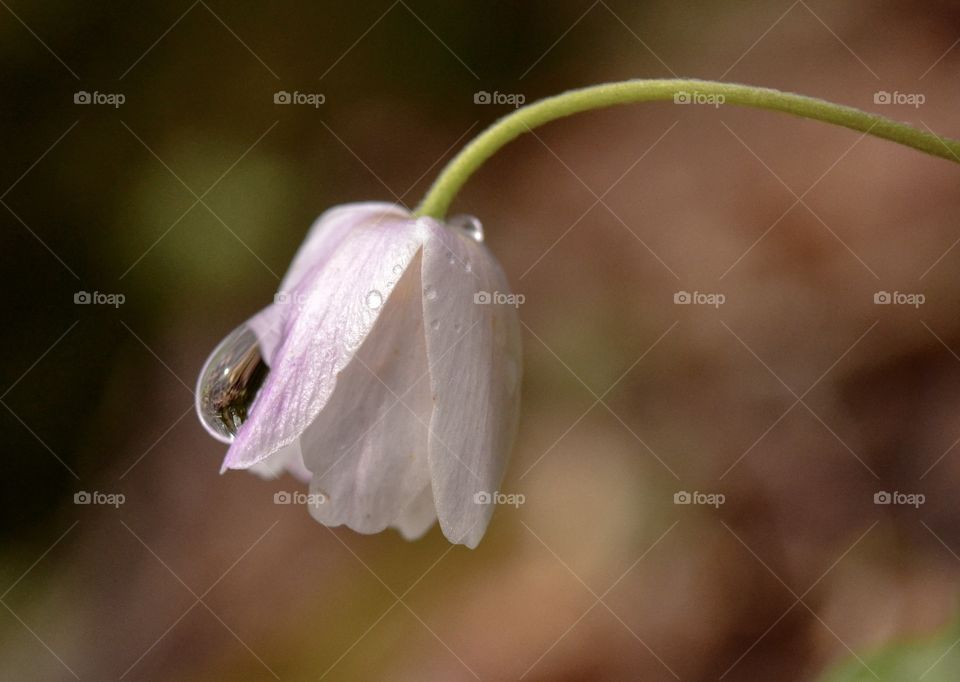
pixel 386 373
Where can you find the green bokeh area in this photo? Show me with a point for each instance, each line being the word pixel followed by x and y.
pixel 932 658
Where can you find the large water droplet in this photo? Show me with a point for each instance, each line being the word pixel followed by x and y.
pixel 374 299
pixel 229 383
pixel 472 226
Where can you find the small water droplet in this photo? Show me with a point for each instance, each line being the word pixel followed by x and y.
pixel 469 224
pixel 468 267
pixel 374 299
pixel 450 258
pixel 229 383
pixel 430 292
pixel 435 324
pixel 398 269
pixel 457 327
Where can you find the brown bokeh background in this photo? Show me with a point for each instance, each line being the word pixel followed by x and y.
pixel 798 399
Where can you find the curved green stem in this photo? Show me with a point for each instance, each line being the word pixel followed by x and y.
pixel 463 165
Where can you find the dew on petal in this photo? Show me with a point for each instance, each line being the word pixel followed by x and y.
pixel 435 324
pixel 374 299
pixel 229 383
pixel 398 269
pixel 457 327
pixel 430 292
pixel 469 224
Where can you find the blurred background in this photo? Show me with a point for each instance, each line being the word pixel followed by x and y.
pixel 150 162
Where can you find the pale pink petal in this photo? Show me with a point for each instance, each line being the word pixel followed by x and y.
pixel 325 235
pixel 419 516
pixel 367 448
pixel 285 460
pixel 332 311
pixel 474 354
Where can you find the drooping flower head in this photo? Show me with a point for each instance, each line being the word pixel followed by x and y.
pixel 386 373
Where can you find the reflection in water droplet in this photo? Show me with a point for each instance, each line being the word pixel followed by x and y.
pixel 472 226
pixel 374 299
pixel 229 383
pixel 430 292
